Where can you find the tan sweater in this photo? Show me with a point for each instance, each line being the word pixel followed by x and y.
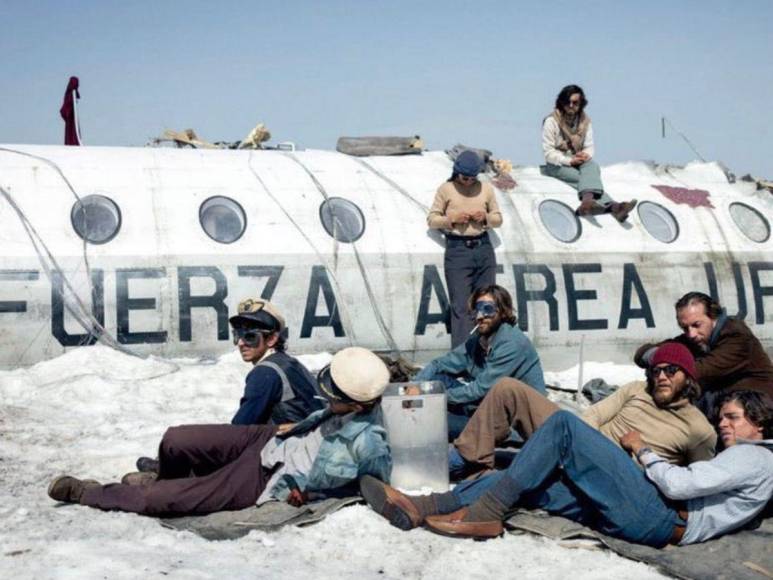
pixel 679 433
pixel 454 196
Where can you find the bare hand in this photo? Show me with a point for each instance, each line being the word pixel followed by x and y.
pixel 479 216
pixel 458 217
pixel 284 428
pixel 412 390
pixel 297 497
pixel 632 442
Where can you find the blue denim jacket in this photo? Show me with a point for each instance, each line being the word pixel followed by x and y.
pixel 510 354
pixel 355 448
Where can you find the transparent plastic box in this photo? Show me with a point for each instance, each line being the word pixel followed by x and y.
pixel 417 428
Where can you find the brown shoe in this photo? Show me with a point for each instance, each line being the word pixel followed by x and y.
pixel 623 209
pixel 390 503
pixel 69 489
pixel 454 525
pixel 139 478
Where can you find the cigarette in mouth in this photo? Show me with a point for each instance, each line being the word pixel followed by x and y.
pixel 474 329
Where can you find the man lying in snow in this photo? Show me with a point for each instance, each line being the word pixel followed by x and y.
pixel 208 468
pixel 571 470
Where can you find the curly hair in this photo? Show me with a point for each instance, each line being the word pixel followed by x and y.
pixel 562 100
pixel 757 407
pixel 501 298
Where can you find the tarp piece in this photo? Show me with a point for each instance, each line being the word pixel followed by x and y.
pixel 366 146
pixel 268 517
pixel 69 112
pixel 747 554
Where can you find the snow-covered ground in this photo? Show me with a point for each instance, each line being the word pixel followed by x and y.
pixel 93 411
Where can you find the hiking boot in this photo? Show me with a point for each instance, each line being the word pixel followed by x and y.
pixel 623 209
pixel 139 478
pixel 69 489
pixel 390 503
pixel 147 465
pixel 456 525
pixel 588 206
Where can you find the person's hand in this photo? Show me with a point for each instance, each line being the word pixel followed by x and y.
pixel 576 160
pixel 632 442
pixel 583 156
pixel 284 428
pixel 478 216
pixel 412 390
pixel 458 217
pixel 297 497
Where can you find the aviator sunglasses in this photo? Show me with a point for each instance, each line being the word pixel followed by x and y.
pixel 485 309
pixel 670 370
pixel 250 336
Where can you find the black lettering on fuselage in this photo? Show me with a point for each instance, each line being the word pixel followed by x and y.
pixel 431 282
pixel 631 282
pixel 216 301
pixel 759 290
pixel 573 296
pixel 10 275
pixel 58 307
pixel 524 296
pixel 273 274
pixel 124 304
pixel 319 281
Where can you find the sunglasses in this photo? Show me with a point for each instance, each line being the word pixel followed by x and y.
pixel 485 309
pixel 670 370
pixel 467 177
pixel 249 336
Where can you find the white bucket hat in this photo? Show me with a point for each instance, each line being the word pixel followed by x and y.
pixel 354 374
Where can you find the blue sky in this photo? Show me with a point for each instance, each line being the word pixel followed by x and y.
pixel 481 73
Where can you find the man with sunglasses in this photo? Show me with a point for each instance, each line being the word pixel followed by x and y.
pixel 208 468
pixel 660 411
pixel 496 348
pixel 278 389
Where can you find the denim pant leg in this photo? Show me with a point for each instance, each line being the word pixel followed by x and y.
pixel 605 478
pixel 485 265
pixel 590 180
pixel 460 272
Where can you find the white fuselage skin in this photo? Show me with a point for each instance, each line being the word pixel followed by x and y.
pixel 164 287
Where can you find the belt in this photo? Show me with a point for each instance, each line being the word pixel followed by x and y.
pixel 468 241
pixel 678 533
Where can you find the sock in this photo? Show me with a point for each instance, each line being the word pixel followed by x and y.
pixel 435 503
pixel 487 509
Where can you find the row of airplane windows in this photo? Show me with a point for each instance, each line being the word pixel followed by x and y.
pixel 97 219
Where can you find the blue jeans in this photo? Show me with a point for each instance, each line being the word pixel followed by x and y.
pixel 586 177
pixel 458 415
pixel 571 470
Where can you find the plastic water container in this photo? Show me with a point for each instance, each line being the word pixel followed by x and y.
pixel 417 428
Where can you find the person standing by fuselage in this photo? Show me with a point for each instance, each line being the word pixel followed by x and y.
pixel 465 209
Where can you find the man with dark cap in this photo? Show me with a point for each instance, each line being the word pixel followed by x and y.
pixel 728 357
pixel 660 410
pixel 208 468
pixel 278 389
pixel 465 209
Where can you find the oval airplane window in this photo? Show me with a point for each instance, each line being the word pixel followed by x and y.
pixel 751 222
pixel 222 219
pixel 658 221
pixel 342 219
pixel 560 221
pixel 96 218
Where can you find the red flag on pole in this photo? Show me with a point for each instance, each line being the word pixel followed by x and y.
pixel 69 112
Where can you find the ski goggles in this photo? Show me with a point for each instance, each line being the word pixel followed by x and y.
pixel 670 370
pixel 485 309
pixel 249 336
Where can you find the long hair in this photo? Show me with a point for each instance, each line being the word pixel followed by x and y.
pixel 562 100
pixel 691 390
pixel 756 407
pixel 711 306
pixel 501 298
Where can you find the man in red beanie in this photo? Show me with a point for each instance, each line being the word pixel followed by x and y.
pixel 659 409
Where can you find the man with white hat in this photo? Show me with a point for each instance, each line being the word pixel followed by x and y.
pixel 208 468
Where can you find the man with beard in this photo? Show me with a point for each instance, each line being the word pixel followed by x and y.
pixel 496 348
pixel 728 357
pixel 660 410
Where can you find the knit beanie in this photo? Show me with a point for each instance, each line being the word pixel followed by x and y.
pixel 675 354
pixel 468 163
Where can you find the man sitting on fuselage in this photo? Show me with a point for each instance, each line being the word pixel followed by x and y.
pixel 496 348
